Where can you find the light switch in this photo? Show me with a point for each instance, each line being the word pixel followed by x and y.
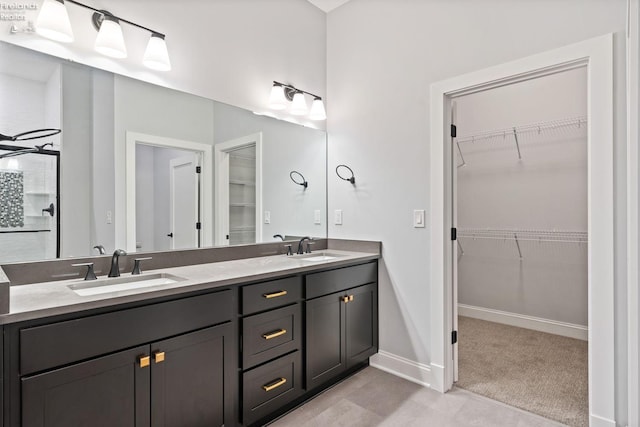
pixel 267 217
pixel 109 217
pixel 337 217
pixel 316 217
pixel 418 218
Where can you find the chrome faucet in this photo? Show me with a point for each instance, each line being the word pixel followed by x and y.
pixel 300 250
pixel 100 249
pixel 115 269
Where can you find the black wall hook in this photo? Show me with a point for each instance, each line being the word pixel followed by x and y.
pixel 351 179
pixel 304 182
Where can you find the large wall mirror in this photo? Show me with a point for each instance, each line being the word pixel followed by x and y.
pixel 142 167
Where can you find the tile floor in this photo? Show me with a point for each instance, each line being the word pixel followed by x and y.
pixel 375 398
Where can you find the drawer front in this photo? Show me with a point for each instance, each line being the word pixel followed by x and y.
pixel 48 346
pixel 271 386
pixel 269 295
pixel 328 282
pixel 269 335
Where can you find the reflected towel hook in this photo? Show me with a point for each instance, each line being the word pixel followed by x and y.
pixel 304 182
pixel 32 134
pixel 352 179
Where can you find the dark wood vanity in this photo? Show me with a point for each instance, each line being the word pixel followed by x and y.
pixel 233 355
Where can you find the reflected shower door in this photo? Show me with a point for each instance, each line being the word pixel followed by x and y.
pixel 29 226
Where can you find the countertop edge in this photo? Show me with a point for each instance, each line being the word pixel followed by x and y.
pixel 10 318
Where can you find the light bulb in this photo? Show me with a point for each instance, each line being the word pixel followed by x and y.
pixel 277 100
pixel 317 110
pixel 53 21
pixel 299 105
pixel 110 41
pixel 156 56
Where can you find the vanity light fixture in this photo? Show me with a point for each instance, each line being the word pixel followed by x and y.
pixel 53 23
pixel 283 94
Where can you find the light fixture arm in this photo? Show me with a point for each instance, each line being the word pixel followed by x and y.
pixel 294 89
pixel 104 12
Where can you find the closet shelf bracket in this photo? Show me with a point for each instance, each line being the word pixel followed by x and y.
pixel 515 137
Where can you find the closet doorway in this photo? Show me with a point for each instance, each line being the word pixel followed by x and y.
pixel 597 56
pixel 519 205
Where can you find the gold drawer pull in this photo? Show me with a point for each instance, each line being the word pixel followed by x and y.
pixel 275 294
pixel 158 356
pixel 350 298
pixel 276 384
pixel 144 361
pixel 345 299
pixel 274 334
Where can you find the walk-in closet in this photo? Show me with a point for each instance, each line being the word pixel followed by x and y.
pixel 520 208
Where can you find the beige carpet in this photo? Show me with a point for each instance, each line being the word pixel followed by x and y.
pixel 538 372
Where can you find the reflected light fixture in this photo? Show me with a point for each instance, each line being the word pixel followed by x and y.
pixel 283 94
pixel 53 23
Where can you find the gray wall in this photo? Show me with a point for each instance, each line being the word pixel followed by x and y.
pixel 382 57
pixel 546 190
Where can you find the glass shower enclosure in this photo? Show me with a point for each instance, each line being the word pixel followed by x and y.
pixel 29 204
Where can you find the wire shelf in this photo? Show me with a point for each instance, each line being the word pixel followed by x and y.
pixel 561 236
pixel 553 126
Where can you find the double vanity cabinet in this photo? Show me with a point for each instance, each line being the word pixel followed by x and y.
pixel 238 354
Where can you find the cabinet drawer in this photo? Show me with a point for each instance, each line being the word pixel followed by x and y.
pixel 48 346
pixel 269 335
pixel 273 294
pixel 327 282
pixel 271 386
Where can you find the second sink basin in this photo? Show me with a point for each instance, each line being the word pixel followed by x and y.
pixel 105 286
pixel 320 256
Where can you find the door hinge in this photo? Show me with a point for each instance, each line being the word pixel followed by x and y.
pixel 454 233
pixel 198 169
pixel 454 337
pixel 454 131
pixel 198 225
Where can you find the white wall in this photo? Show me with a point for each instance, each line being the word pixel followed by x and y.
pixel 227 50
pixel 381 58
pixel 545 190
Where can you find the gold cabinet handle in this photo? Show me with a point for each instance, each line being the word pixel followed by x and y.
pixel 275 294
pixel 345 299
pixel 158 356
pixel 350 298
pixel 275 384
pixel 144 361
pixel 274 334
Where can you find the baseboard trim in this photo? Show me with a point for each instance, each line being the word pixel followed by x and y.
pixel 528 322
pixel 596 421
pixel 401 367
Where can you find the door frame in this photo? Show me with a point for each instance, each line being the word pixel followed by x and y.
pixel 597 55
pixel 221 155
pixel 132 138
pixel 195 158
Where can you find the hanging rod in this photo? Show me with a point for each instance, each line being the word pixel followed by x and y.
pixel 530 129
pixel 560 236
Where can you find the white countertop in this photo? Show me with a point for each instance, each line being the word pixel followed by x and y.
pixel 38 300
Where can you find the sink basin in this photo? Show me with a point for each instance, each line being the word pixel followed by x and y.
pixel 105 286
pixel 319 256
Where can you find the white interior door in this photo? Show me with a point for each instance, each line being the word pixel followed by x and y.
pixel 183 202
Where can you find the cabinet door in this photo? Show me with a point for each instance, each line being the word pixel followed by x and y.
pixel 362 324
pixel 106 391
pixel 325 340
pixel 188 379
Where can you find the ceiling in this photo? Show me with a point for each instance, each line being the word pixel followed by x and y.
pixel 327 5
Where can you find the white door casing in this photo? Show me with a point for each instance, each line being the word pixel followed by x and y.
pixel 129 168
pixel 222 151
pixel 597 55
pixel 183 202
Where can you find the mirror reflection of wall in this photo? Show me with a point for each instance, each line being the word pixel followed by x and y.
pixel 96 110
